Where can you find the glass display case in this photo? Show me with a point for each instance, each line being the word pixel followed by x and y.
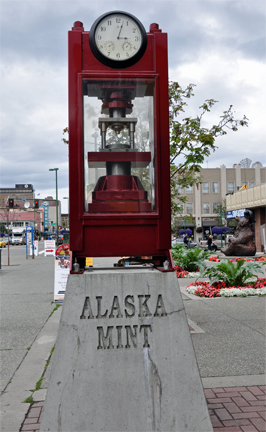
pixel 118 134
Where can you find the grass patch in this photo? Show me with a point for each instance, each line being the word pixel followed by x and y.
pixel 38 384
pixel 29 400
pixel 57 306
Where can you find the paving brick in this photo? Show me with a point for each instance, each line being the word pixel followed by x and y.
pixel 31 427
pixel 209 393
pixel 245 415
pixel 228 429
pixel 215 421
pixel 232 407
pixel 262 397
pixel 223 414
pixel 263 414
pixel 222 400
pixel 235 389
pixel 31 420
pixel 263 388
pixel 259 423
pixel 229 394
pixel 248 396
pixel 257 402
pixel 38 404
pixel 217 405
pixel 34 412
pixel 256 391
pixel 257 408
pixel 241 402
pixel 218 390
pixel 241 422
pixel 250 428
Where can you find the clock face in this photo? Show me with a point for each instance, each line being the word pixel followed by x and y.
pixel 118 39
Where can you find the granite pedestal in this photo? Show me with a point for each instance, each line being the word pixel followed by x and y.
pixel 124 359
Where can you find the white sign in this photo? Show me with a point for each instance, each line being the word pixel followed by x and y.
pixel 36 247
pixel 49 247
pixel 61 272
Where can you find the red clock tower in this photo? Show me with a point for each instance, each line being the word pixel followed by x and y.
pixel 119 171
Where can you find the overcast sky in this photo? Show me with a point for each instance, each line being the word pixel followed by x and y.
pixel 219 45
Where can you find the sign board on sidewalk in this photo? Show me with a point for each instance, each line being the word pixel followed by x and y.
pixel 62 267
pixel 36 247
pixel 49 247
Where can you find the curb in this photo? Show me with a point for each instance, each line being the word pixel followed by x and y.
pixel 27 375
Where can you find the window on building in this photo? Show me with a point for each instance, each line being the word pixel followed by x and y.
pixel 215 187
pixel 251 184
pixel 206 208
pixel 215 207
pixel 189 208
pixel 180 189
pixel 17 224
pixel 189 189
pixel 231 186
pixel 205 187
pixel 181 211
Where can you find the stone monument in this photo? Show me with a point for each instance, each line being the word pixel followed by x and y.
pixel 124 359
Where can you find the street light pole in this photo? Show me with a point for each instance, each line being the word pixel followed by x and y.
pixel 67 210
pixel 56 192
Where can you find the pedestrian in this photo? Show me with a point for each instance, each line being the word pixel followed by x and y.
pixel 209 242
pixel 186 240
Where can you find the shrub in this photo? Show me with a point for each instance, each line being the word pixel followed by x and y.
pixel 189 259
pixel 232 273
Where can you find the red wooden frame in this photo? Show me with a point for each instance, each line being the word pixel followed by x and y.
pixel 119 234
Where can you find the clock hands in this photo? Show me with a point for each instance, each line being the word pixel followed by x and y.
pixel 120 30
pixel 123 38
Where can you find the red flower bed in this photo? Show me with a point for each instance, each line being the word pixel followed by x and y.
pixel 260 283
pixel 205 290
pixel 248 260
pixel 214 258
pixel 180 273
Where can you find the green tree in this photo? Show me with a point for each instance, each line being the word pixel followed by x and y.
pixel 190 142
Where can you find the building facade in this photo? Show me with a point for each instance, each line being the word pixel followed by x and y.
pixel 18 218
pixel 202 212
pixel 23 214
pixel 21 192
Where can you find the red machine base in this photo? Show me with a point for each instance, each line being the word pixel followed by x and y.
pixel 119 193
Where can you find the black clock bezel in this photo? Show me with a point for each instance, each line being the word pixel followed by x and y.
pixel 118 64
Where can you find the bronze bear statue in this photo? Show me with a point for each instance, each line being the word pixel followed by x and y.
pixel 242 243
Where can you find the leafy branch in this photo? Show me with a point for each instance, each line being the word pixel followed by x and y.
pixel 190 142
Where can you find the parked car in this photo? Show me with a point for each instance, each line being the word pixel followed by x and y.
pixel 216 243
pixel 181 241
pixel 60 239
pixel 2 242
